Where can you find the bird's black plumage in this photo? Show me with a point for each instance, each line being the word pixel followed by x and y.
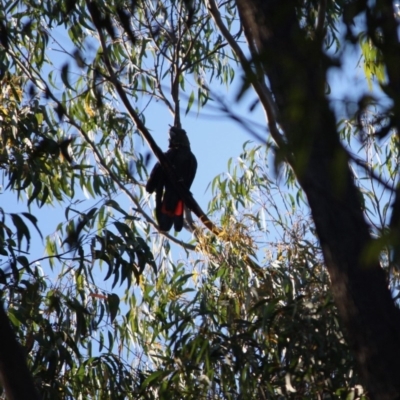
pixel 169 206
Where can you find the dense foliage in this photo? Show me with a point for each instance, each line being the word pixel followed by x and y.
pixel 115 309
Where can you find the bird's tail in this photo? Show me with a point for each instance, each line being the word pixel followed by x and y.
pixel 167 218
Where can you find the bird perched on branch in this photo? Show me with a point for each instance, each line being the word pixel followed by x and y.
pixel 169 205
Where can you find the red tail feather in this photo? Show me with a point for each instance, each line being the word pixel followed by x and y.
pixel 179 208
pixel 176 213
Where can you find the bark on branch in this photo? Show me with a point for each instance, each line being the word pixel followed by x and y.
pixel 14 374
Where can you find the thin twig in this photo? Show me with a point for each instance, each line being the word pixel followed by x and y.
pixel 361 163
pixel 259 85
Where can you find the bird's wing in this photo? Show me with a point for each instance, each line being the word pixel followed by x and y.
pixel 155 178
pixel 190 170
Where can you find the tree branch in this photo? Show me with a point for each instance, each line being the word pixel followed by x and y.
pixel 14 374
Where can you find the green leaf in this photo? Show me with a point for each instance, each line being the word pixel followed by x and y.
pixel 190 102
pixel 34 221
pixel 65 76
pixel 113 305
pixel 22 230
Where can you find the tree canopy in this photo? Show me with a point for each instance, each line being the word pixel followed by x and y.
pixel 286 286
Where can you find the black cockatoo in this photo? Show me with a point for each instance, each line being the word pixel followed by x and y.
pixel 169 206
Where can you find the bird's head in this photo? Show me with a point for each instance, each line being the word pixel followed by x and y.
pixel 178 137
